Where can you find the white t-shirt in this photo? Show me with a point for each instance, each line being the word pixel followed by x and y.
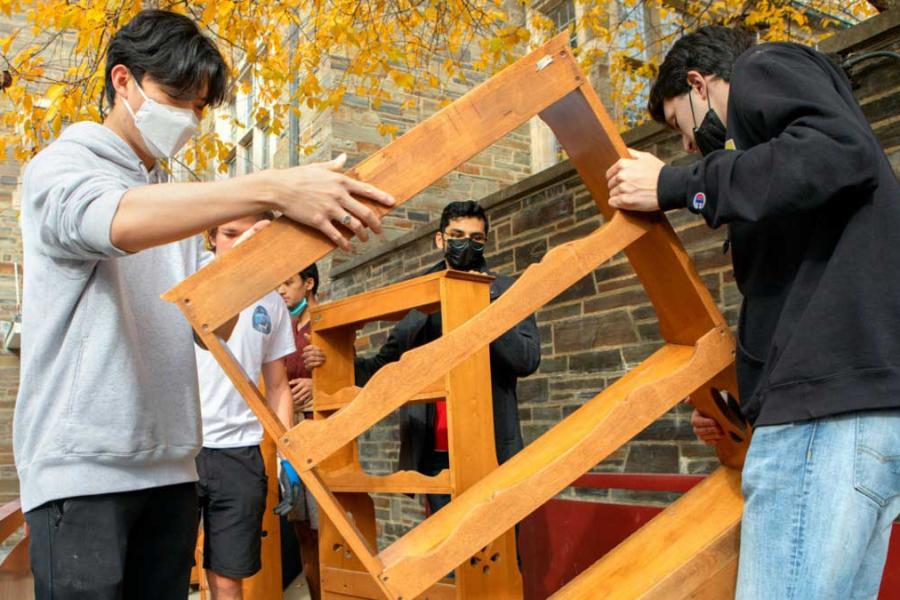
pixel 262 334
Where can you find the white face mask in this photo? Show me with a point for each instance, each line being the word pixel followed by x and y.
pixel 165 129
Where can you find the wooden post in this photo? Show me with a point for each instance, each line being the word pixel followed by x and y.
pixel 697 357
pixel 266 584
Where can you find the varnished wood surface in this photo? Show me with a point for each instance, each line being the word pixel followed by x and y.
pixel 358 584
pixel 551 462
pixel 699 350
pixel 396 383
pixel 353 479
pixel 448 138
pixel 689 551
pixel 266 584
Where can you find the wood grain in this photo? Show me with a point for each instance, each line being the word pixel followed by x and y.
pixel 460 131
pixel 688 551
pixel 397 382
pixel 550 463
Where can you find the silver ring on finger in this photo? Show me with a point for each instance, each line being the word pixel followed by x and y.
pixel 345 220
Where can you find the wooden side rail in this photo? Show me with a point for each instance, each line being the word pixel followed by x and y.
pixel 390 303
pixel 642 482
pixel 15 569
pixel 697 358
pixel 352 479
pixel 459 131
pixel 396 383
pixel 699 562
pixel 550 463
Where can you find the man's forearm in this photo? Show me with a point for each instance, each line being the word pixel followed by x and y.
pixel 282 403
pixel 153 215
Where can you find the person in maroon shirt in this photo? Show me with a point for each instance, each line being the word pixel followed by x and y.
pixel 299 293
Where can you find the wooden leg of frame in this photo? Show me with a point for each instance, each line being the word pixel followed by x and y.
pixel 688 551
pixel 549 464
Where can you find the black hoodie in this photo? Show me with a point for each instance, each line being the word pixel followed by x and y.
pixel 515 354
pixel 813 209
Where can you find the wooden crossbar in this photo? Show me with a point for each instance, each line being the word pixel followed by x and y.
pixel 687 551
pixel 696 359
pixel 550 463
pixel 396 383
pixel 461 130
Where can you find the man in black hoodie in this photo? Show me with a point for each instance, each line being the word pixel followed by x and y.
pixel 813 209
pixel 516 353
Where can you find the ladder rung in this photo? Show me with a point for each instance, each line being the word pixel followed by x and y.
pixel 402 482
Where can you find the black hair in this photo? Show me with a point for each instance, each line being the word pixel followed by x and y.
pixel 172 50
pixel 311 271
pixel 711 50
pixel 462 209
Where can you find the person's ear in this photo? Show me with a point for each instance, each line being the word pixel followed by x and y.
pixel 439 240
pixel 209 239
pixel 309 283
pixel 698 84
pixel 121 80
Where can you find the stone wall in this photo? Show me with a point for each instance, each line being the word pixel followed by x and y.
pixel 604 325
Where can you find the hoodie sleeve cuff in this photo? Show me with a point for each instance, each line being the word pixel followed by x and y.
pixel 671 187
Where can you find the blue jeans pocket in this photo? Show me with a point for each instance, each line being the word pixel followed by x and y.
pixel 877 460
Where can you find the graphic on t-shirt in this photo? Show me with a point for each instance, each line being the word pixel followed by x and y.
pixel 261 320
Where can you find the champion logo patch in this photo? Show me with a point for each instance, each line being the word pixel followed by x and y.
pixel 699 201
pixel 261 320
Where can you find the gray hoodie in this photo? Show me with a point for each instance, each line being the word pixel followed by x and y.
pixel 108 394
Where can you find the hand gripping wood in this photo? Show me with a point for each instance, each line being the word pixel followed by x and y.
pixel 697 358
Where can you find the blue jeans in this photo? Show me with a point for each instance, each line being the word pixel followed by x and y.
pixel 820 498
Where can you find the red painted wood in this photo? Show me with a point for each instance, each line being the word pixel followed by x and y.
pixel 890 582
pixel 564 537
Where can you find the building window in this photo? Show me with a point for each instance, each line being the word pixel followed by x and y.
pixel 247 108
pixel 246 153
pixel 264 159
pixel 231 161
pixel 563 16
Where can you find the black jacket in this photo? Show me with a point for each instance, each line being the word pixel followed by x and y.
pixel 813 209
pixel 516 353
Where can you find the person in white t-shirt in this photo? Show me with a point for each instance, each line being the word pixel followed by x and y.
pixel 232 486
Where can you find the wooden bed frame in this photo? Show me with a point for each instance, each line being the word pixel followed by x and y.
pixel 697 358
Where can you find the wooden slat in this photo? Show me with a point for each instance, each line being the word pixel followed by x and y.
pixel 683 305
pixel 401 482
pixel 266 584
pixel 460 131
pixel 327 502
pixel 551 462
pixel 687 551
pixel 471 446
pixel 345 396
pixel 391 303
pixel 244 384
pixel 357 584
pixel 397 382
pixel 16 581
pixel 652 482
pixel 11 518
pixel 331 507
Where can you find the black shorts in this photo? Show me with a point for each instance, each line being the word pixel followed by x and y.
pixel 232 491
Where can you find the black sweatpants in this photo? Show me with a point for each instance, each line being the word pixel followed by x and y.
pixel 122 546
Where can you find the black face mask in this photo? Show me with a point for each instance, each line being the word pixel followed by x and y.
pixel 463 254
pixel 710 136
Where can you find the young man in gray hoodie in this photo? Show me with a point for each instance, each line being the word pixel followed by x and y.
pixel 107 422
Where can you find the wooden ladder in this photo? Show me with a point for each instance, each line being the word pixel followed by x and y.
pixel 697 358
